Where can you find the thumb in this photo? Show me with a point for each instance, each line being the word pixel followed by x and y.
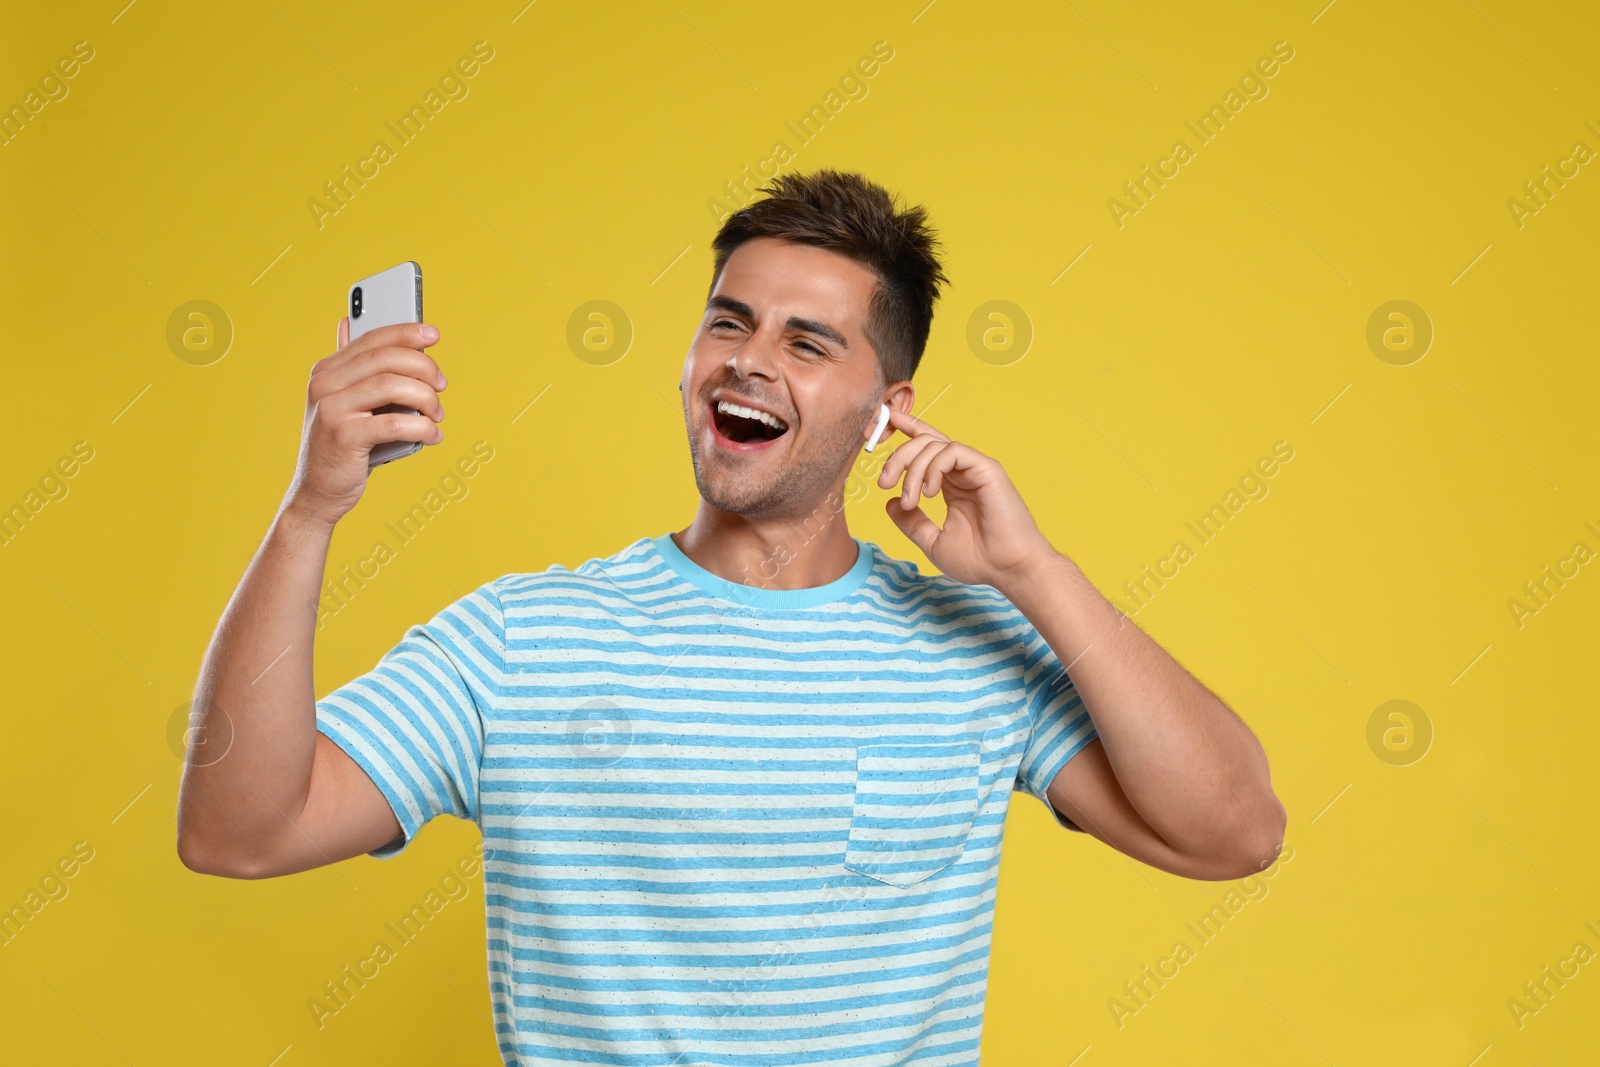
pixel 914 523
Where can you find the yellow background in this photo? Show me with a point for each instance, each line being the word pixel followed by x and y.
pixel 1226 315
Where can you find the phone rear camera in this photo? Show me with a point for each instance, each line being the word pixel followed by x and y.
pixel 355 303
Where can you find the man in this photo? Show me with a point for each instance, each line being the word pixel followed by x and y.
pixel 741 786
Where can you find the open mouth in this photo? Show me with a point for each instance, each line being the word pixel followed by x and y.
pixel 746 426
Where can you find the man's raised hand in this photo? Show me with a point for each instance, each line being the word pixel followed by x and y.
pixel 988 533
pixel 386 366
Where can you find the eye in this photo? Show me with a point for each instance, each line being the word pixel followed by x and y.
pixel 805 345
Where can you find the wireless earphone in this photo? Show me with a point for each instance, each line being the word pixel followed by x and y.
pixel 877 431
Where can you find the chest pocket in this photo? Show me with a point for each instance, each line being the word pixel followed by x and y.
pixel 913 809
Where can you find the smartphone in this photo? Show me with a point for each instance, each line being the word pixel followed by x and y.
pixel 384 299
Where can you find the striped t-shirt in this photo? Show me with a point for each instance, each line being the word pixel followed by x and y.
pixel 723 824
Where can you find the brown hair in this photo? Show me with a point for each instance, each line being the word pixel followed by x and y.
pixel 848 214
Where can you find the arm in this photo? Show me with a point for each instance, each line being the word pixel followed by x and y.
pixel 1175 778
pixel 263 793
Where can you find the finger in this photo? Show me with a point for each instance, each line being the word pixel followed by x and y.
pixel 910 425
pixel 917 474
pixel 363 433
pixel 381 389
pixel 342 333
pixel 418 335
pixel 900 457
pixel 333 375
pixel 914 523
pixel 949 458
pixel 911 487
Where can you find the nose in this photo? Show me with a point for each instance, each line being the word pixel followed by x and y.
pixel 754 358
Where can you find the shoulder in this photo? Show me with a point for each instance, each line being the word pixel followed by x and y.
pixel 599 578
pixel 936 598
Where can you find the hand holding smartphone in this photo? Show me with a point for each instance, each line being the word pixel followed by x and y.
pixel 375 399
pixel 387 298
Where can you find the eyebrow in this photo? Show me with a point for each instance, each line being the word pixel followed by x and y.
pixel 739 307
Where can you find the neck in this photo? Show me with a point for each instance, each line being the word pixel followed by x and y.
pixel 770 553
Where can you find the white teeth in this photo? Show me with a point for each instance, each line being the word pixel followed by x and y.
pixel 751 413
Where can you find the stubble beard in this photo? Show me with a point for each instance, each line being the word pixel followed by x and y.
pixel 797 487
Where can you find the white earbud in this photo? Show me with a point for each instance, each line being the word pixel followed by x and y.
pixel 877 431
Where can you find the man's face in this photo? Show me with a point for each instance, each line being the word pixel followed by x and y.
pixel 782 334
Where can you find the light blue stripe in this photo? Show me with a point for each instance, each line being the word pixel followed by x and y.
pixel 740 949
pixel 1061 752
pixel 367 696
pixel 917 994
pixel 420 723
pixel 721 995
pixel 764 1058
pixel 410 822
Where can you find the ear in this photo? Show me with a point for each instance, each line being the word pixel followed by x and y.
pixel 899 397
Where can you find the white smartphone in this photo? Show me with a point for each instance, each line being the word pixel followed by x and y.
pixel 384 299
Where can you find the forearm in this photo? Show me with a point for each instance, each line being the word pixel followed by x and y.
pixel 1190 767
pixel 248 767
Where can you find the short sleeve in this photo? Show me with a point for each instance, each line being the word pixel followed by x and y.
pixel 1058 723
pixel 416 722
